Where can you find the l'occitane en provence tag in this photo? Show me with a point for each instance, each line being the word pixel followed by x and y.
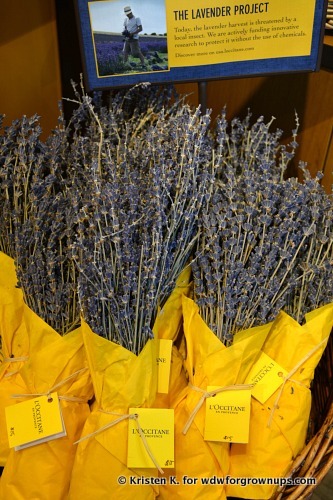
pixel 163 365
pixel 34 421
pixel 228 416
pixel 267 377
pixel 157 426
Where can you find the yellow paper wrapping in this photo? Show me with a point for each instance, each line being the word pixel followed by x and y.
pixel 15 348
pixel 208 362
pixel 278 428
pixel 21 330
pixel 43 471
pixel 121 380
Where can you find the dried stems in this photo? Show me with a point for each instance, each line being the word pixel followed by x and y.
pixel 103 216
pixel 37 220
pixel 266 241
pixel 137 214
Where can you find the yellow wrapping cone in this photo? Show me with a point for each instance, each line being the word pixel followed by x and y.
pixel 21 331
pixel 278 427
pixel 208 363
pixel 15 349
pixel 43 471
pixel 121 380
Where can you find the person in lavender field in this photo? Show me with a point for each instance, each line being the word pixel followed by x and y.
pixel 132 28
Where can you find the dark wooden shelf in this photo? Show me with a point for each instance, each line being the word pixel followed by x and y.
pixel 327 55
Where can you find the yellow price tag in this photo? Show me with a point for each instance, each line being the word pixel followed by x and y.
pixel 267 377
pixel 157 427
pixel 163 365
pixel 228 416
pixel 34 421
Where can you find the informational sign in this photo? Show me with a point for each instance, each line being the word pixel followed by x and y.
pixel 159 41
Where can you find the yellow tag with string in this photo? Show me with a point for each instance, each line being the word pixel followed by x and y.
pixel 34 421
pixel 267 376
pixel 163 365
pixel 228 416
pixel 151 438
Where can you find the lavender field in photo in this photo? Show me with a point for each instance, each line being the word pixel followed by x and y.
pixel 109 55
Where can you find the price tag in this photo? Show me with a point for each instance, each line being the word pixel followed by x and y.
pixel 228 416
pixel 157 426
pixel 267 377
pixel 163 365
pixel 34 421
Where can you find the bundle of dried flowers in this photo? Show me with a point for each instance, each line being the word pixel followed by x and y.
pixel 46 187
pixel 103 216
pixel 265 242
pixel 36 220
pixel 20 152
pixel 145 177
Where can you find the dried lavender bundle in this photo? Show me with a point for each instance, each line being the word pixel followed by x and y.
pixel 20 154
pixel 37 220
pixel 145 184
pixel 266 242
pixel 44 263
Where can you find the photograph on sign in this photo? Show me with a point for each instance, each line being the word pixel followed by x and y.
pixel 161 41
pixel 129 39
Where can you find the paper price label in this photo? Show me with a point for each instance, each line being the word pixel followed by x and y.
pixel 228 416
pixel 157 426
pixel 163 365
pixel 267 377
pixel 34 421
